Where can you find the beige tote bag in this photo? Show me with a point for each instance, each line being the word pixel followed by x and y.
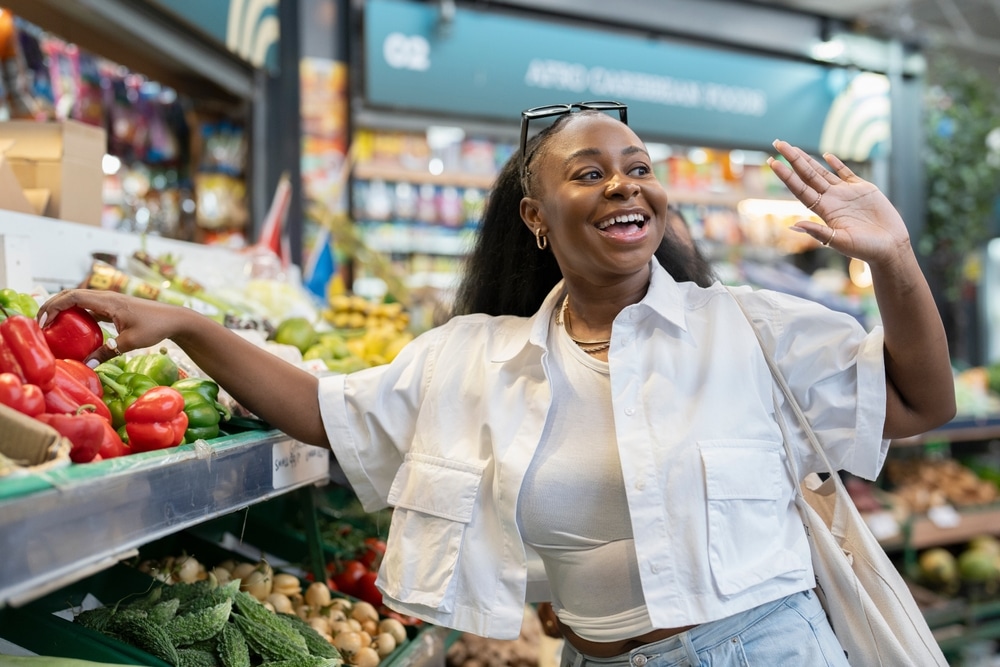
pixel 869 605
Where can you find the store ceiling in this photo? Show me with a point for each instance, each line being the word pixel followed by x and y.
pixel 969 30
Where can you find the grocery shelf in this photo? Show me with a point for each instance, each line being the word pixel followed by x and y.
pixel 924 533
pixel 368 171
pixel 88 517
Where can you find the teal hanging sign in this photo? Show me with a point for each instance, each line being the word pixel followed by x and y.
pixel 491 66
pixel 248 28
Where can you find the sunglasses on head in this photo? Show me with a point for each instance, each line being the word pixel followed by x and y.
pixel 550 110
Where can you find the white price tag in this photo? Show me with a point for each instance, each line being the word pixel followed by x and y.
pixel 882 524
pixel 294 463
pixel 944 516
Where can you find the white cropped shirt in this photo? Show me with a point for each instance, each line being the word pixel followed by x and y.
pixel 445 434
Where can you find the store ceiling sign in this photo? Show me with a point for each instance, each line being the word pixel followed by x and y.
pixel 248 28
pixel 475 63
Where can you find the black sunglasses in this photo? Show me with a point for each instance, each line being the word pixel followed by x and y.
pixel 561 109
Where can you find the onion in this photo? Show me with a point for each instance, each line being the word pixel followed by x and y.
pixel 348 643
pixel 340 627
pixel 222 575
pixel 394 628
pixel 341 603
pixel 187 569
pixel 257 584
pixel 228 564
pixel 384 644
pixel 318 594
pixel 286 584
pixel 243 570
pixel 320 625
pixel 281 603
pixel 363 611
pixel 366 657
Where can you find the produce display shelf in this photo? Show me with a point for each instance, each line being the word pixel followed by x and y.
pixel 923 533
pixel 960 429
pixel 83 519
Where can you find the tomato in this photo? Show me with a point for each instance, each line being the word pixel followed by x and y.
pixel 349 575
pixel 374 552
pixel 367 591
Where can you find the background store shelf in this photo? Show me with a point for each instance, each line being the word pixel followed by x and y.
pixel 365 171
pixel 95 515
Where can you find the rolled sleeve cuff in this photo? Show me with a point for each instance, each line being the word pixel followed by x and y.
pixel 868 458
pixel 333 408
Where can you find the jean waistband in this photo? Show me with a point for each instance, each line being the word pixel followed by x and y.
pixel 685 644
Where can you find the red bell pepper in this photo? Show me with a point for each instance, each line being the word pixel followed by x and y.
pixel 67 394
pixel 73 334
pixel 86 375
pixel 26 398
pixel 156 420
pixel 112 445
pixel 83 429
pixel 27 346
pixel 8 363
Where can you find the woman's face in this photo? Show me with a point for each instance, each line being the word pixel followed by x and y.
pixel 597 200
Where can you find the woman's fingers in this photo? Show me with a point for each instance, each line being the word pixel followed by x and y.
pixel 105 352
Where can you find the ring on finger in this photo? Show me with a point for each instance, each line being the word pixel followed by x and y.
pixel 819 197
pixel 830 240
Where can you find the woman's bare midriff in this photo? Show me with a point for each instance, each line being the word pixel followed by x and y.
pixel 611 649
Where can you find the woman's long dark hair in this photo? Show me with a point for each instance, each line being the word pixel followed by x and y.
pixel 506 273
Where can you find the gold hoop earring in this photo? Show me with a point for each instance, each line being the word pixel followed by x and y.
pixel 541 240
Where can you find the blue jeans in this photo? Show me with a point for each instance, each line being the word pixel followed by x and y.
pixel 791 632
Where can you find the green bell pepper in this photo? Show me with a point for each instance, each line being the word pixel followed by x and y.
pixel 202 408
pixel 122 391
pixel 157 365
pixel 17 303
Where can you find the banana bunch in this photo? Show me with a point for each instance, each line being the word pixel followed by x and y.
pixel 355 312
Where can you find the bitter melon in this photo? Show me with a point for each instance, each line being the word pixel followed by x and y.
pixel 251 608
pixel 140 632
pixel 199 625
pixel 266 642
pixel 232 648
pixel 192 657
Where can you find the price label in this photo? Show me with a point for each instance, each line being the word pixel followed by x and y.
pixel 882 524
pixel 293 462
pixel 944 516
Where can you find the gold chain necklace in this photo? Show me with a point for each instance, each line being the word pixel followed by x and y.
pixel 588 346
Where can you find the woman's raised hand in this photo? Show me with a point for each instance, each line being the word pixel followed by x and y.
pixel 860 220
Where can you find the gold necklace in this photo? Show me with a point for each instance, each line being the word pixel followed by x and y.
pixel 588 346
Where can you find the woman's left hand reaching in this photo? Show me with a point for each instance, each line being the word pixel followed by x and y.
pixel 860 220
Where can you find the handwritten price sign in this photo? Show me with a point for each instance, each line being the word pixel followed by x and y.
pixel 295 463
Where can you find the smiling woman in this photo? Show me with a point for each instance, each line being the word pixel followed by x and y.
pixel 596 426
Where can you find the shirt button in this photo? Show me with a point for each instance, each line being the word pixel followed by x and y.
pixel 638 660
pixel 626 341
pixel 629 411
pixel 654 568
pixel 640 484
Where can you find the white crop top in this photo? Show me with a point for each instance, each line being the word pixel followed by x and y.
pixel 572 508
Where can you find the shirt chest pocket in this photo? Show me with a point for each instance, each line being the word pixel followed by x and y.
pixel 747 512
pixel 433 500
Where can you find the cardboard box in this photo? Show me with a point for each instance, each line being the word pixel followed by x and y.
pixel 29 446
pixel 58 165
